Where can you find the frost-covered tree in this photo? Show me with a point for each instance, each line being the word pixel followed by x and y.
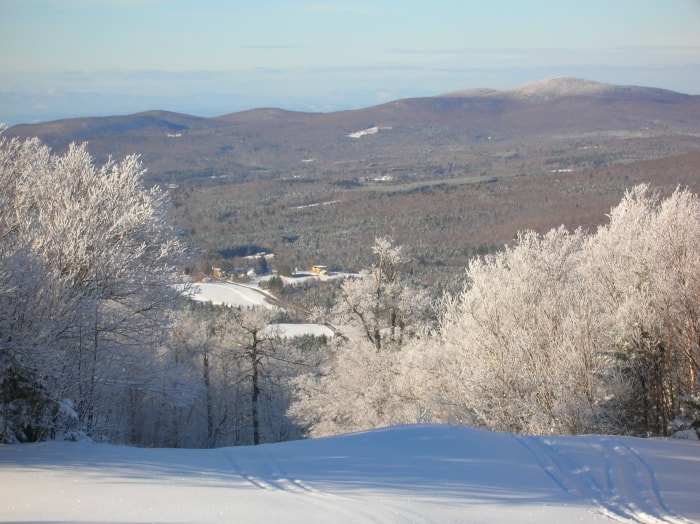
pixel 567 332
pixel 242 372
pixel 358 388
pixel 379 304
pixel 644 268
pixel 87 266
pixel 521 339
pixel 373 373
pixel 252 341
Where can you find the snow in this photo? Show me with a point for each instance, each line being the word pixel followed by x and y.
pixel 547 89
pixel 286 330
pixel 301 277
pixel 230 294
pixel 237 295
pixel 553 88
pixel 369 131
pixel 400 474
pixel 317 204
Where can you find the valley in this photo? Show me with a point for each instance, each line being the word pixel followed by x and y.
pixel 448 177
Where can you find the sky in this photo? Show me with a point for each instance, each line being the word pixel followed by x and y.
pixel 210 57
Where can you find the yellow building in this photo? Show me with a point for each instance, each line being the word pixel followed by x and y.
pixel 319 270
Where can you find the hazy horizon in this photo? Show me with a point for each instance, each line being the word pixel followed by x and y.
pixel 93 58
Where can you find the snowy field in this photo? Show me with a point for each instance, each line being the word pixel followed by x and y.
pixel 298 330
pixel 401 474
pixel 236 295
pixel 230 294
pixel 302 277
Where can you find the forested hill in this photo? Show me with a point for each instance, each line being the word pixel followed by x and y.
pixel 410 133
pixel 447 176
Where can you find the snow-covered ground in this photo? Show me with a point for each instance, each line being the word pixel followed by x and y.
pixel 230 294
pixel 236 295
pixel 286 330
pixel 301 277
pixel 369 131
pixel 400 474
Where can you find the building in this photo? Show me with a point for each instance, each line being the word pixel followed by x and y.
pixel 319 270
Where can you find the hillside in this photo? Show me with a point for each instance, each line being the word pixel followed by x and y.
pixel 271 139
pixel 448 176
pixel 400 474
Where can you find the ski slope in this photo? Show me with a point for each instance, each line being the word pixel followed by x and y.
pixel 236 295
pixel 226 293
pixel 400 474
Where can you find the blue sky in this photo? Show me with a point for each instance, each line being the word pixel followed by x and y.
pixel 70 57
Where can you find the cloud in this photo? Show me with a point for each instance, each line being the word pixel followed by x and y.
pixel 535 57
pixel 399 73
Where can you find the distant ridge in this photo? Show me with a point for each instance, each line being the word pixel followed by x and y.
pixel 449 176
pixel 560 87
pixel 471 92
pixel 273 141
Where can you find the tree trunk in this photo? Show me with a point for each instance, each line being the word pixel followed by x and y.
pixel 209 401
pixel 255 397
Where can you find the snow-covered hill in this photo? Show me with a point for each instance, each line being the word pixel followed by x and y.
pixel 400 474
pixel 237 295
pixel 567 87
pixel 230 294
pixel 561 87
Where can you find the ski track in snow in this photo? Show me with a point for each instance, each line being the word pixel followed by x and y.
pixel 419 474
pixel 269 476
pixel 264 472
pixel 625 489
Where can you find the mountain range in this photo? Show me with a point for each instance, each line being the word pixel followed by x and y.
pixel 272 139
pixel 415 153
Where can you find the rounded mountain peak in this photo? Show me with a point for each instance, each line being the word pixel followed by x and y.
pixel 561 87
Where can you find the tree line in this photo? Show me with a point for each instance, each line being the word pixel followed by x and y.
pixel 562 332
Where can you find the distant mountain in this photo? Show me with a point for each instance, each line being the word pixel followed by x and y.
pixel 568 87
pixel 448 176
pixel 270 140
pixel 564 87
